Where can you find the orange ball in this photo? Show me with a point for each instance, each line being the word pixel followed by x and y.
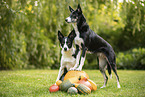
pixel 54 88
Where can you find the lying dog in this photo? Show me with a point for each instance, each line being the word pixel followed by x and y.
pixel 67 59
pixel 88 40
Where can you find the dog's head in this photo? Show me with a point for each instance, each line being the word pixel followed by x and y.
pixel 75 14
pixel 66 42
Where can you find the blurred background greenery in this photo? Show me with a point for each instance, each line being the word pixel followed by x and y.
pixel 28 31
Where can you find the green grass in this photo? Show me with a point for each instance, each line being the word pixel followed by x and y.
pixel 36 83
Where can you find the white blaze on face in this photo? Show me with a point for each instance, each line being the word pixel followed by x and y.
pixel 65 45
pixel 68 19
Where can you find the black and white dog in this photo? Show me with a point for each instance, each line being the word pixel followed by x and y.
pixel 67 59
pixel 88 40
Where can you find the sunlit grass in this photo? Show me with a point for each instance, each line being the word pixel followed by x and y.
pixel 37 82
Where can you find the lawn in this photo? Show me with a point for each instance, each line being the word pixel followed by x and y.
pixel 36 83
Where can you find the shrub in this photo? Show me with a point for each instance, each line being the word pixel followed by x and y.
pixel 132 59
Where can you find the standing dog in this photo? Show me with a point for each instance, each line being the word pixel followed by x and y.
pixel 88 40
pixel 67 59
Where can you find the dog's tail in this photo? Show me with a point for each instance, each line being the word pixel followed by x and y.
pixel 109 69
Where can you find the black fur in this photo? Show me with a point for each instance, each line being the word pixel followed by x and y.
pixel 93 42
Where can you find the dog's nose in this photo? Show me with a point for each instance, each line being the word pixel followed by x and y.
pixel 66 20
pixel 65 49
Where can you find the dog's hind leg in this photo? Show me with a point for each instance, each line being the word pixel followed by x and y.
pixel 114 68
pixel 102 67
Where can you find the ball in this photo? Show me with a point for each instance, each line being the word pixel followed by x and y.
pixel 72 90
pixel 54 88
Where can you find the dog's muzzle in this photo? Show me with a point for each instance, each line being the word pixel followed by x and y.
pixel 65 49
pixel 68 20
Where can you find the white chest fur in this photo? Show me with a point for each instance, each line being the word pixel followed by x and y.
pixel 77 39
pixel 67 55
pixel 67 59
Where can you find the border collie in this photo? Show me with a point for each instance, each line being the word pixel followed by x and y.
pixel 67 59
pixel 88 40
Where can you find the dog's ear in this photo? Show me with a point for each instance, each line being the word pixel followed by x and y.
pixel 72 35
pixel 60 36
pixel 79 9
pixel 71 10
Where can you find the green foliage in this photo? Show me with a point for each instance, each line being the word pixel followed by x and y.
pixel 133 33
pixel 28 29
pixel 133 59
pixel 7 60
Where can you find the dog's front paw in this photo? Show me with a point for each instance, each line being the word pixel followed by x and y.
pixel 71 69
pixel 79 69
pixel 118 86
